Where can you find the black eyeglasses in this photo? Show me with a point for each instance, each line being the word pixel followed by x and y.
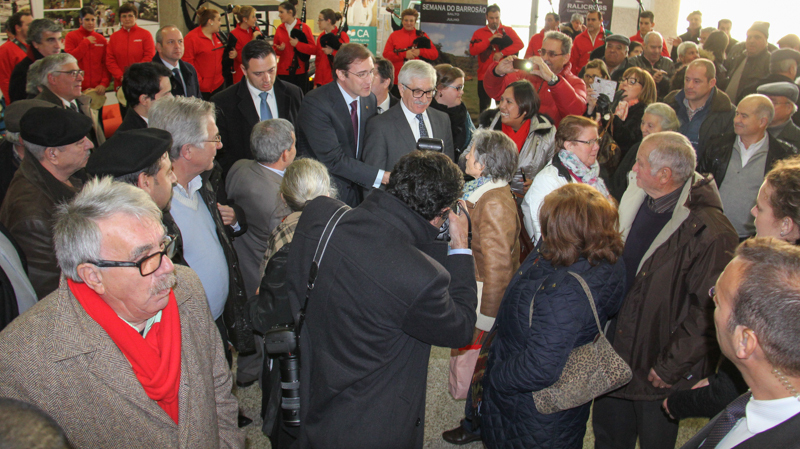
pixel 418 93
pixel 632 81
pixel 456 88
pixel 712 292
pixel 549 53
pixel 587 142
pixel 146 266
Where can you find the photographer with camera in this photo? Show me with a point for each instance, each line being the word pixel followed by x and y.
pixel 564 93
pixel 385 291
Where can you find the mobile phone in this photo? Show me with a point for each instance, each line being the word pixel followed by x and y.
pixel 523 64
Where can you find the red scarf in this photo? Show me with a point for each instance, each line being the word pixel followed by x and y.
pixel 520 136
pixel 155 359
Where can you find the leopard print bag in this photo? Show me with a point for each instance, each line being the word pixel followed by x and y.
pixel 591 370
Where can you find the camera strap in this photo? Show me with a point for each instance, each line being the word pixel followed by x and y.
pixel 322 245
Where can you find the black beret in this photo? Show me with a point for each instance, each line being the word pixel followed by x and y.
pixel 129 152
pixel 618 38
pixel 53 127
pixel 17 109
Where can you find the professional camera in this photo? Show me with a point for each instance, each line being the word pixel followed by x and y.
pixel 430 144
pixel 281 341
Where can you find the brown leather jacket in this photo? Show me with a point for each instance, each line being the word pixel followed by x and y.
pixel 667 318
pixel 27 212
pixel 495 246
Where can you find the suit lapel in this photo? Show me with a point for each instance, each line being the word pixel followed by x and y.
pixel 342 109
pixel 246 106
pixel 281 99
pixel 403 128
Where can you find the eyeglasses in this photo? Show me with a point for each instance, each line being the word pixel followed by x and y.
pixel 74 73
pixel 632 81
pixel 456 88
pixel 146 266
pixel 549 53
pixel 418 93
pixel 363 75
pixel 587 142
pixel 217 139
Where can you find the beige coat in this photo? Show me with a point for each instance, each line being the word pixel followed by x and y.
pixel 56 357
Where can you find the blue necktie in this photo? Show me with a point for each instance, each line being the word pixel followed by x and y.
pixel 423 132
pixel 266 114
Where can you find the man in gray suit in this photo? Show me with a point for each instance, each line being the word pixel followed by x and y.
pixel 395 133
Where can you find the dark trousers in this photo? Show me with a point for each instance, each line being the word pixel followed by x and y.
pixel 207 95
pixel 469 423
pixel 300 80
pixel 483 98
pixel 618 422
pixel 223 333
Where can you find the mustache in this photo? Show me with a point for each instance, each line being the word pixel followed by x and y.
pixel 168 281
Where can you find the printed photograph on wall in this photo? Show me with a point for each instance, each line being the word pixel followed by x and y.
pixel 61 4
pixel 69 19
pixel 7 8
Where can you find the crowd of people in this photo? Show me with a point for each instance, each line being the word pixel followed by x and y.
pixel 327 234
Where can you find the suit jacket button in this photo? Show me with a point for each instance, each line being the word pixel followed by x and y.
pixel 418 422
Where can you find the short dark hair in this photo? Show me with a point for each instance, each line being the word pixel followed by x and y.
pixel 143 78
pixel 87 11
pixel 784 178
pixel 648 15
pixel 16 21
pixel 768 299
pixel 526 98
pixel 129 7
pixel 555 16
pixel 492 8
pixel 725 21
pixel 26 425
pixel 289 6
pixel 348 54
pixel 596 11
pixel 258 49
pixel 578 221
pixel 385 69
pixel 633 45
pixel 426 181
pixel 38 27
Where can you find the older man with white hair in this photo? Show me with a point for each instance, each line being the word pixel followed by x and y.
pixel 138 357
pixel 60 81
pixel 395 133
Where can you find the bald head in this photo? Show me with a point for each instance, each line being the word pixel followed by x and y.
pixel 753 115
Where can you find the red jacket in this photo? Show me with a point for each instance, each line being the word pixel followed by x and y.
pixel 583 46
pixel 126 47
pixel 201 54
pixel 535 44
pixel 285 56
pixel 91 57
pixel 480 43
pixel 405 39
pixel 324 73
pixel 242 38
pixel 10 56
pixel 566 97
pixel 638 38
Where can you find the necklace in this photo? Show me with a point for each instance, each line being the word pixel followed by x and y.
pixel 785 381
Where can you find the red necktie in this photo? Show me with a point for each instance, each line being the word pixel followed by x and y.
pixel 354 119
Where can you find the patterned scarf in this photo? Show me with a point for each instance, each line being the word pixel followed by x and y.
pixel 473 185
pixel 586 175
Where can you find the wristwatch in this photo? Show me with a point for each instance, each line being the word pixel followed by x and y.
pixel 553 80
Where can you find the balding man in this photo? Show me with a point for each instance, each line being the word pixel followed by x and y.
pixel 677 241
pixel 60 83
pixel 56 147
pixel 169 51
pixel 783 96
pixel 739 161
pixel 660 67
pixel 138 357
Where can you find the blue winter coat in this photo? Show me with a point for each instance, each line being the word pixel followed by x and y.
pixel 524 358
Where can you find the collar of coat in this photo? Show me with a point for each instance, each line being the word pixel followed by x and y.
pixel 491 185
pixel 690 197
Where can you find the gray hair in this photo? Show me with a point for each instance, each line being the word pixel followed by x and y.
pixel 669 120
pixel 784 66
pixel 39 26
pixel 36 150
pixel 764 106
pixel 34 80
pixel 566 41
pixel 52 64
pixel 76 235
pixel 653 33
pixel 270 139
pixel 496 152
pixel 11 137
pixel 417 69
pixel 684 46
pixel 184 118
pixel 576 17
pixel 674 151
pixel 304 180
pixel 160 33
pixel 708 30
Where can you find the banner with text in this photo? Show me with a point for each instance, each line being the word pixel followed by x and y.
pixel 364 36
pixel 569 7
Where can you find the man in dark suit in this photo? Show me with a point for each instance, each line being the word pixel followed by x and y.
pixel 371 319
pixel 332 122
pixel 60 84
pixel 382 84
pixel 258 96
pixel 143 84
pixel 395 133
pixel 169 51
pixel 756 320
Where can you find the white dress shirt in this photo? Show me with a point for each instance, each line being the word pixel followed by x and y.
pixel 272 104
pixel 747 153
pixel 759 417
pixel 414 123
pixel 347 100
